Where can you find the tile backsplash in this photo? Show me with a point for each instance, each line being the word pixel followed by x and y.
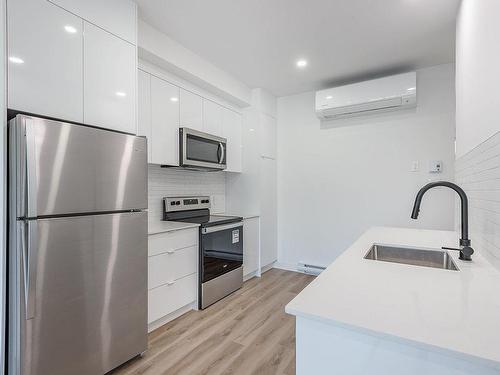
pixel 478 173
pixel 168 182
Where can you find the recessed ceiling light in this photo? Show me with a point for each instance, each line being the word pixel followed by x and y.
pixel 301 63
pixel 329 97
pixel 120 93
pixel 16 60
pixel 174 99
pixel 70 29
pixel 251 129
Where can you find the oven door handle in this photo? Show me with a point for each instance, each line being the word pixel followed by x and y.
pixel 218 228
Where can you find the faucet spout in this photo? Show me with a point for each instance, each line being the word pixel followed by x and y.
pixel 465 250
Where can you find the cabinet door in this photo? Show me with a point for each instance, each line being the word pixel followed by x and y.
pixel 110 80
pixel 191 110
pixel 45 50
pixel 165 122
pixel 268 211
pixel 115 16
pixel 212 118
pixel 144 108
pixel 232 131
pixel 251 245
pixel 268 136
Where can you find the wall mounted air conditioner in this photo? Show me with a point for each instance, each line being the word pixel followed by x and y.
pixel 382 94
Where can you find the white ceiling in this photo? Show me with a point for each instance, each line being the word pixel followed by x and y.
pixel 258 41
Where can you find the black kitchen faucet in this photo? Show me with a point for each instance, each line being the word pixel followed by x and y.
pixel 465 249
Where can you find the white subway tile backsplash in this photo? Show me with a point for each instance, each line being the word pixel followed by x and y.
pixel 169 182
pixel 478 173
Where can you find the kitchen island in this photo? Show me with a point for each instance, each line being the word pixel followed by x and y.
pixel 362 316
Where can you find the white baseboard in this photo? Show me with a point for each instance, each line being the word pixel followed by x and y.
pixel 251 275
pixel 286 267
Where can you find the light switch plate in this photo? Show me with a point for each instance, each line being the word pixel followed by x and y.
pixel 435 166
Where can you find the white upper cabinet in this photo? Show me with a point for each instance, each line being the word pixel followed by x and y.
pixel 268 136
pixel 191 110
pixel 144 108
pixel 212 118
pixel 232 131
pixel 45 60
pixel 165 122
pixel 115 16
pixel 109 80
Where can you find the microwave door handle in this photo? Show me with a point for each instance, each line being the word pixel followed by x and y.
pixel 223 151
pixel 219 152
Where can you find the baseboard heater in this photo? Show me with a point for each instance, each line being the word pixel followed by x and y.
pixel 310 269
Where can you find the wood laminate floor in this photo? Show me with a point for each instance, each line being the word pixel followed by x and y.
pixel 248 332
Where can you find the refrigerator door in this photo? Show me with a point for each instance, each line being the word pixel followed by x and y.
pixel 81 297
pixel 68 169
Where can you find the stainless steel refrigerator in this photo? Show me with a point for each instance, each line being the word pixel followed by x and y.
pixel 77 248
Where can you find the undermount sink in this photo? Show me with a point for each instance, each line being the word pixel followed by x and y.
pixel 413 256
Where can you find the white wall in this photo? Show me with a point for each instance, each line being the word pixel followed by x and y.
pixel 478 125
pixel 337 179
pixel 478 72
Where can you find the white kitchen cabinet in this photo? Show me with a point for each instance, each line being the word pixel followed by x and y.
pixel 212 117
pixel 172 274
pixel 268 136
pixel 45 52
pixel 268 212
pixel 191 110
pixel 172 265
pixel 251 246
pixel 165 122
pixel 144 108
pixel 116 16
pixel 109 80
pixel 232 131
pixel 168 298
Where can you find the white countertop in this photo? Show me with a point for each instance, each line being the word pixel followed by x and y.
pixel 169 226
pixel 451 310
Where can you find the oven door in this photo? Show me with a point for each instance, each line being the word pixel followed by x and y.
pixel 221 250
pixel 201 150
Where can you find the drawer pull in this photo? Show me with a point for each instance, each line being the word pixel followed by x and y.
pixel 171 283
pixel 170 252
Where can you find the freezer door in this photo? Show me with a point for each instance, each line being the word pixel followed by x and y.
pixel 82 294
pixel 64 168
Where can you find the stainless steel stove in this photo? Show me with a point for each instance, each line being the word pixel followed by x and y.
pixel 220 246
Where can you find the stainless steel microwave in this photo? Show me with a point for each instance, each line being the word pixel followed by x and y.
pixel 201 151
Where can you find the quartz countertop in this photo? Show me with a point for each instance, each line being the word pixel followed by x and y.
pixel 457 311
pixel 169 226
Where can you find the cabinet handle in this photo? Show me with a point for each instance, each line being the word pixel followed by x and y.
pixel 171 283
pixel 170 252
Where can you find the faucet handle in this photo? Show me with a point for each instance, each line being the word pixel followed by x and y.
pixel 465 252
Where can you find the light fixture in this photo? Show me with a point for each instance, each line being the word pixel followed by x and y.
pixel 251 129
pixel 329 97
pixel 174 99
pixel 120 93
pixel 70 29
pixel 16 60
pixel 301 63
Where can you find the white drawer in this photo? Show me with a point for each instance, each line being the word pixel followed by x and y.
pixel 164 242
pixel 170 297
pixel 172 265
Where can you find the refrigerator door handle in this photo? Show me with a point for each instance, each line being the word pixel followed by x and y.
pixel 31 179
pixel 29 256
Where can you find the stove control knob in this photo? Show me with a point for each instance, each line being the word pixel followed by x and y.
pixel 177 203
